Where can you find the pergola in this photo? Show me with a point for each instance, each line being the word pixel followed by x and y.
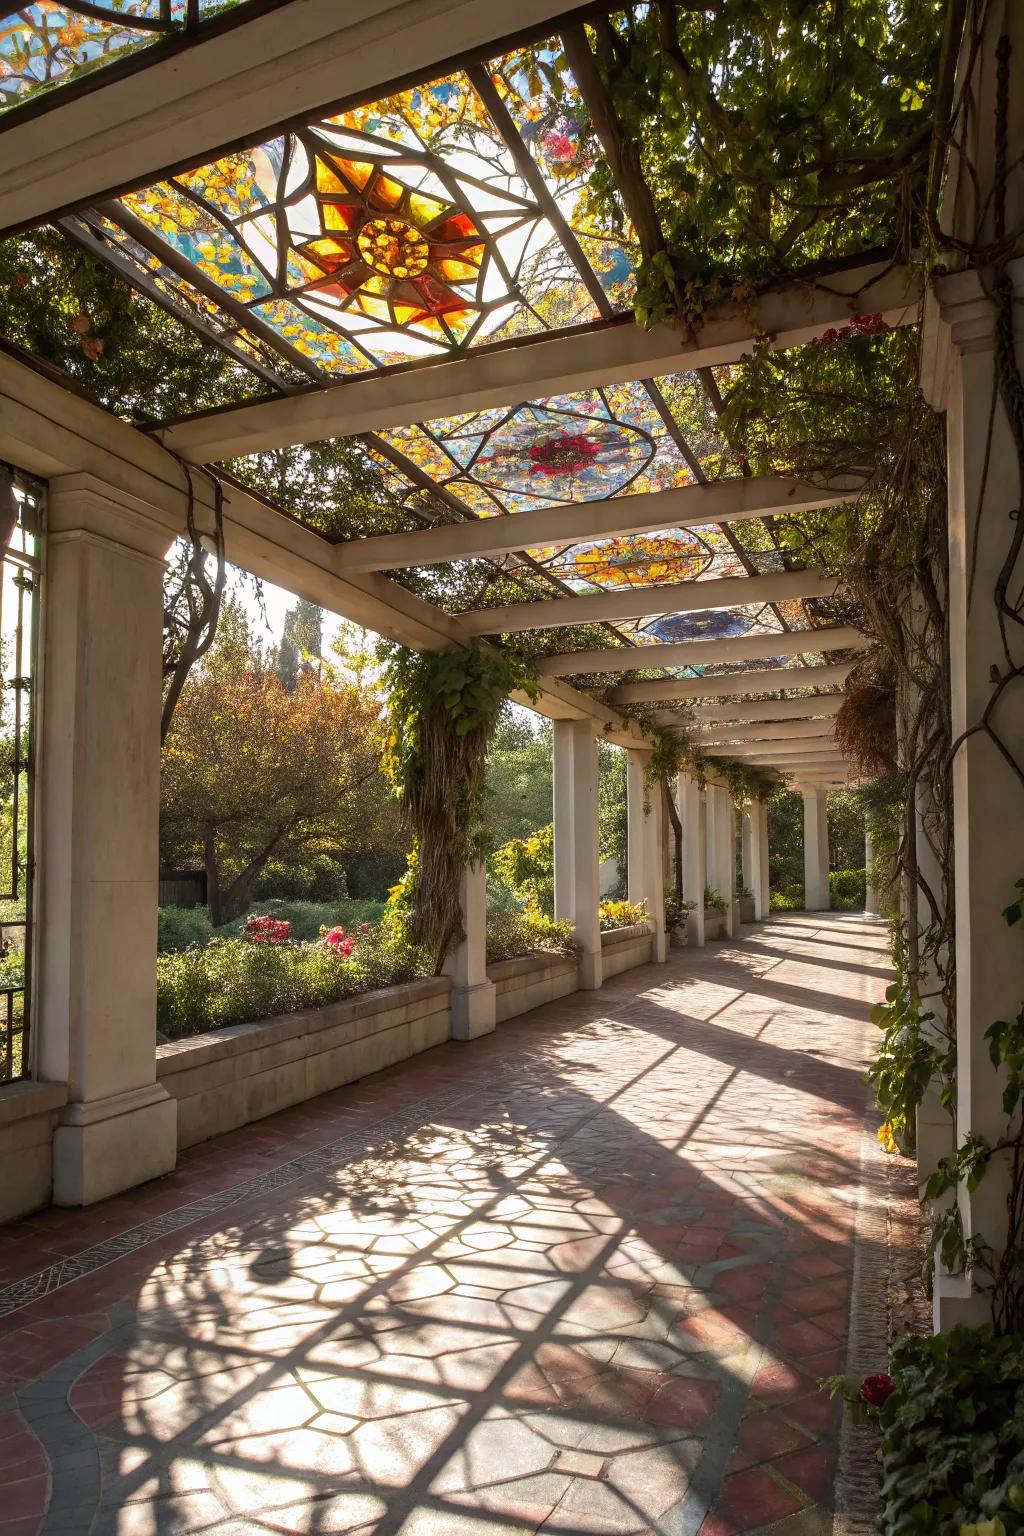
pixel 392 250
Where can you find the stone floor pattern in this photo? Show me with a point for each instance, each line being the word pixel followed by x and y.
pixel 578 1277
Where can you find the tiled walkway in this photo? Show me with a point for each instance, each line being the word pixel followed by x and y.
pixel 579 1277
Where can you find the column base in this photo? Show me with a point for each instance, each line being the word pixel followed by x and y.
pixel 695 927
pixel 591 969
pixel 104 1146
pixel 473 1011
pixel 659 945
pixel 955 1301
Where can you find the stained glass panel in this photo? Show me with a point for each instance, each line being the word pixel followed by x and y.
pixel 52 42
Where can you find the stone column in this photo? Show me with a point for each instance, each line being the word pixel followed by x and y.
pixel 725 823
pixel 817 897
pixel 753 835
pixel 561 765
pixel 688 801
pixel 636 832
pixel 870 894
pixel 654 871
pixel 762 890
pixel 985 497
pixel 577 873
pixel 99 805
pixel 747 847
pixel 473 996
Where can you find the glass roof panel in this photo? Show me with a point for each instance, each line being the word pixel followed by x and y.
pixel 50 43
pixel 411 228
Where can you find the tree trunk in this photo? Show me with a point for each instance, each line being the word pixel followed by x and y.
pixel 212 876
pixel 228 902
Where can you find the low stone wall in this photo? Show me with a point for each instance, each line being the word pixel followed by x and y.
pixel 624 948
pixel 714 923
pixel 530 981
pixel 28 1119
pixel 232 1076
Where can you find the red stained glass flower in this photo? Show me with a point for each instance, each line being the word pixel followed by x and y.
pixel 564 454
pixel 877 1390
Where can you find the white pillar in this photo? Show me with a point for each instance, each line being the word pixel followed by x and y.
pixel 654 869
pixel 473 995
pixel 577 859
pixel 753 838
pixel 985 495
pixel 561 764
pixel 762 890
pixel 870 893
pixel 725 824
pixel 99 806
pixel 817 897
pixel 688 802
pixel 636 829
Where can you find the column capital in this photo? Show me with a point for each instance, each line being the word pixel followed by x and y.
pixel 83 504
pixel 959 316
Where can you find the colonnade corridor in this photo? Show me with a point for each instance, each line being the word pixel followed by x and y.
pixel 579 1276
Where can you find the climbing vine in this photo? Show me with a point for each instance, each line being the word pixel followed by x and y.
pixel 443 708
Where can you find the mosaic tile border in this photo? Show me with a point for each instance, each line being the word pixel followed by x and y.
pixel 21 1293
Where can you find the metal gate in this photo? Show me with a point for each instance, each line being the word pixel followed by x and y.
pixel 21 519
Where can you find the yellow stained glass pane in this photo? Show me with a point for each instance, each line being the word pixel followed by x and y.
pixel 425 209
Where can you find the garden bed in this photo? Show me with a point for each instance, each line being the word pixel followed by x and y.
pixel 243 1072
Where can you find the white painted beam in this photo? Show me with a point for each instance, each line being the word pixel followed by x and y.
pixel 731 685
pixel 769 709
pixel 703 653
pixel 689 506
pixel 767 751
pixel 637 602
pixel 236 85
pixel 531 370
pixel 53 433
pixel 769 732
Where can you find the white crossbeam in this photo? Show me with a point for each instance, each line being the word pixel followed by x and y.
pixel 638 602
pixel 768 732
pixel 769 751
pixel 239 82
pixel 769 709
pixel 690 506
pixel 703 653
pixel 732 685
pixel 611 353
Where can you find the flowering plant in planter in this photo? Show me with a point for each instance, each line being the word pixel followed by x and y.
pixel 267 930
pixel 338 940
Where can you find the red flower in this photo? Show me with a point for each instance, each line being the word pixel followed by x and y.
pixel 558 147
pixel 562 455
pixel 339 941
pixel 876 1390
pixel 267 930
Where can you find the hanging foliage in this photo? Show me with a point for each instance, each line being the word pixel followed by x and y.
pixel 443 709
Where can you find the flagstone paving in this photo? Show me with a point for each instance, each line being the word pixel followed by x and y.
pixel 578 1277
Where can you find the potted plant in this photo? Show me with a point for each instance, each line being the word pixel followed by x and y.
pixel 677 912
pixel 714 914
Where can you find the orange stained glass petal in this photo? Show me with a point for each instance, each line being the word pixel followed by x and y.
pixel 331 253
pixel 341 215
pixel 356 173
pixel 373 307
pixel 457 271
pixel 458 227
pixel 387 193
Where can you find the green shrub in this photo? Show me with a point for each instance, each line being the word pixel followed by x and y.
pixel 676 909
pixel 527 866
pixel 179 927
pixel 788 898
pixel 233 981
pixel 713 901
pixel 511 934
pixel 848 889
pixel 953 1436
